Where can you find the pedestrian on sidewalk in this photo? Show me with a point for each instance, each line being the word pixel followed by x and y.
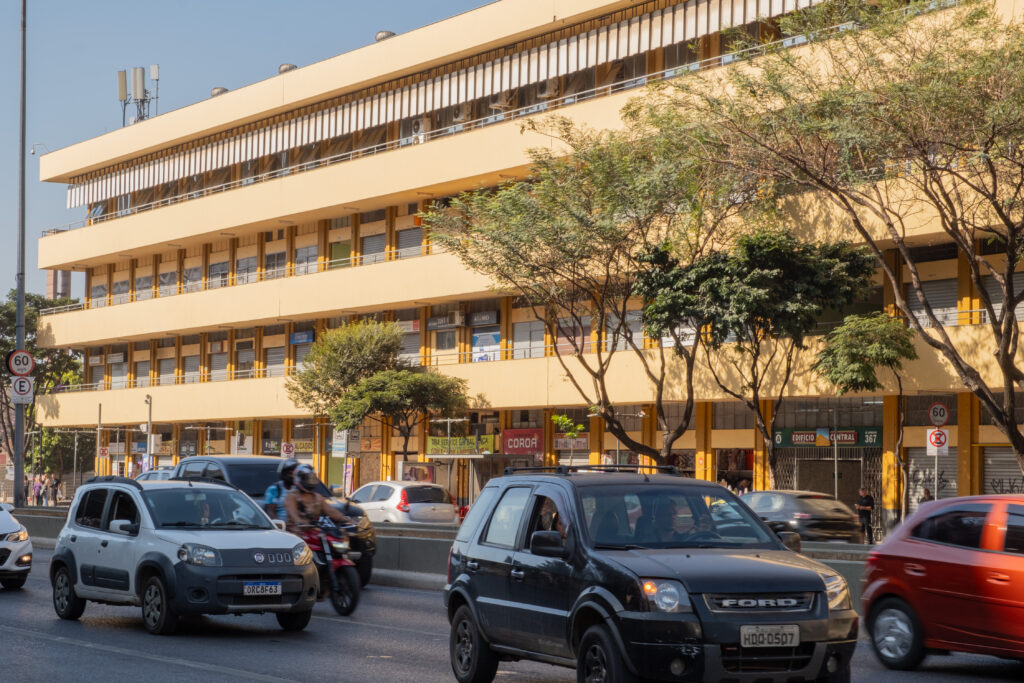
pixel 926 497
pixel 865 504
pixel 54 486
pixel 37 491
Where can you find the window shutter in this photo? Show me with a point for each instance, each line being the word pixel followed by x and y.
pixel 941 294
pixel 275 361
pixel 218 367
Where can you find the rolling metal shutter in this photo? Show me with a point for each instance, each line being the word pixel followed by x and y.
pixel 166 370
pixel 218 367
pixel 191 369
pixel 1002 472
pixel 118 375
pixel 245 362
pixel 275 361
pixel 922 475
pixel 411 345
pixel 142 373
pixel 410 242
pixel 301 351
pixel 995 292
pixel 373 248
pixel 941 294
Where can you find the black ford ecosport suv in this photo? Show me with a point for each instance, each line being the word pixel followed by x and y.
pixel 638 577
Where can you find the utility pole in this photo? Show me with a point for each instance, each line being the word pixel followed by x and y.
pixel 19 329
pixel 149 433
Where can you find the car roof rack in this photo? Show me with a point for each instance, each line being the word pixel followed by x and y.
pixel 569 469
pixel 112 479
pixel 204 480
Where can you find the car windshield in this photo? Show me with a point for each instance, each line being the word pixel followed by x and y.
pixel 669 517
pixel 426 494
pixel 204 508
pixel 825 505
pixel 253 477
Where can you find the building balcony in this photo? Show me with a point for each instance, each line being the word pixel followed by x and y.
pixel 336 291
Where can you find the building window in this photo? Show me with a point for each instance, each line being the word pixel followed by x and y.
pixel 273 361
pixel 99 296
pixel 305 260
pixel 218 274
pixel 124 204
pixel 142 373
pixel 168 283
pixel 143 287
pixel 192 279
pixel 274 265
pixel 731 416
pixel 373 248
pixel 341 254
pixel 249 171
pixel 191 369
pixel 486 343
pixel 120 292
pixel 246 270
pixel 410 242
pixel 166 371
pixel 245 360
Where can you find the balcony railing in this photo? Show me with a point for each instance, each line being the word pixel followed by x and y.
pixel 250 278
pixel 499 117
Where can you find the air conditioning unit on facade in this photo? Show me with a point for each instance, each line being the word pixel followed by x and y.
pixel 502 103
pixel 457 318
pixel 548 88
pixel 421 126
pixel 463 112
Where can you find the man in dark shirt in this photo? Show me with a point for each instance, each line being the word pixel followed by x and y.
pixel 865 504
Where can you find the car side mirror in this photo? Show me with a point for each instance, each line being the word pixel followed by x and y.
pixel 6 507
pixel 278 524
pixel 790 539
pixel 123 526
pixel 548 544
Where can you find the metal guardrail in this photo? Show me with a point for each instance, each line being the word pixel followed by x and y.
pixel 165 291
pixel 500 117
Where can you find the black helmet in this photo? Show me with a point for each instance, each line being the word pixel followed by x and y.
pixel 305 478
pixel 285 469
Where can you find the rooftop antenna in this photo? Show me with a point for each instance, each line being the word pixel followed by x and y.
pixel 145 101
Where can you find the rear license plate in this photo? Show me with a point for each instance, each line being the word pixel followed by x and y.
pixel 770 636
pixel 261 588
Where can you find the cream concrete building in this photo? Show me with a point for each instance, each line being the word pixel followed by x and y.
pixel 221 238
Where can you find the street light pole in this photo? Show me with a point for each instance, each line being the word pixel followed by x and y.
pixel 19 327
pixel 149 431
pixel 835 454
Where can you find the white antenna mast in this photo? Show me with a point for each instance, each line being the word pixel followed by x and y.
pixel 140 96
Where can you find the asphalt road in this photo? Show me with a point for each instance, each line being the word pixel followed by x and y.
pixel 395 635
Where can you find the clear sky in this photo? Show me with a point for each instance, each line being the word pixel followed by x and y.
pixel 75 48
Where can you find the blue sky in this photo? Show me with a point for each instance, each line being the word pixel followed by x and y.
pixel 75 49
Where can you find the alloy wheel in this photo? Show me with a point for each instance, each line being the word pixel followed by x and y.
pixel 595 665
pixel 464 646
pixel 893 633
pixel 152 606
pixel 61 592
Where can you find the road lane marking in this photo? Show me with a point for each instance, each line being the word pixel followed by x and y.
pixel 212 668
pixel 340 620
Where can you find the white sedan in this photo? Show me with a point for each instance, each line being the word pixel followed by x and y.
pixel 406 502
pixel 15 550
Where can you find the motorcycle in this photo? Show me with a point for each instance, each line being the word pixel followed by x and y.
pixel 331 555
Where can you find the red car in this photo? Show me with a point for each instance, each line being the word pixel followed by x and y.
pixel 950 578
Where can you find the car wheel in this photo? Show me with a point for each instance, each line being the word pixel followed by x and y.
pixel 473 660
pixel 365 569
pixel 157 613
pixel 15 582
pixel 598 660
pixel 896 635
pixel 294 621
pixel 66 604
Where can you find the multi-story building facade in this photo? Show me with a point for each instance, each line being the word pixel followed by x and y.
pixel 222 238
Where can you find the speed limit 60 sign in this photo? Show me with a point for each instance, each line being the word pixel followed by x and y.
pixel 22 390
pixel 938 414
pixel 20 363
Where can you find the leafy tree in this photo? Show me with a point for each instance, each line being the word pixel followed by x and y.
pixel 567 241
pixel 53 451
pixel 851 356
pixel 908 120
pixel 54 369
pixel 400 398
pixel 340 359
pixel 567 426
pixel 755 303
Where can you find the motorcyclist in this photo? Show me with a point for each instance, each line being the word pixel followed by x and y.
pixel 273 499
pixel 304 505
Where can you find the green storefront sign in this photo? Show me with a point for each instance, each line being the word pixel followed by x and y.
pixel 867 437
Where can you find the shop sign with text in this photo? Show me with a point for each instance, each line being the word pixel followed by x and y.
pixel 522 441
pixel 462 445
pixel 868 437
pixel 580 443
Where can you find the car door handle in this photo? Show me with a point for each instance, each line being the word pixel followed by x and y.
pixel 518 574
pixel 914 569
pixel 472 566
pixel 996 577
pixel 104 543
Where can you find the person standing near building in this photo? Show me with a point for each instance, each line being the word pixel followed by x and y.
pixel 37 491
pixel 927 496
pixel 865 504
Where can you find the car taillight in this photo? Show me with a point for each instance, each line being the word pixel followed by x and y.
pixel 874 559
pixel 403 503
pixel 801 515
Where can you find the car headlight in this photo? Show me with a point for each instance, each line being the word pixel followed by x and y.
pixel 199 555
pixel 837 591
pixel 18 536
pixel 666 596
pixel 301 554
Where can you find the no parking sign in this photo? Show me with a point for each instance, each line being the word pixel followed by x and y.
pixel 938 442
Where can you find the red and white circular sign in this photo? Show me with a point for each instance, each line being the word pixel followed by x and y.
pixel 287 448
pixel 938 414
pixel 20 363
pixel 937 438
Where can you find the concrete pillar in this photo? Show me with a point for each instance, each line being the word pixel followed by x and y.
pixel 892 484
pixel 970 463
pixel 706 467
pixel 762 470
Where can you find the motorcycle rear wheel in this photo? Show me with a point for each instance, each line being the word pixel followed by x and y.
pixel 346 597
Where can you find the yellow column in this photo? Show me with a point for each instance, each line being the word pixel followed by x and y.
pixel 970 464
pixel 649 432
pixel 506 328
pixel 892 479
pixel 967 301
pixel 550 457
pixel 762 470
pixel 706 468
pixel 596 439
pixel 387 456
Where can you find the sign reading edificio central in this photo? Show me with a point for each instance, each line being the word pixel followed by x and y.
pixel 822 437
